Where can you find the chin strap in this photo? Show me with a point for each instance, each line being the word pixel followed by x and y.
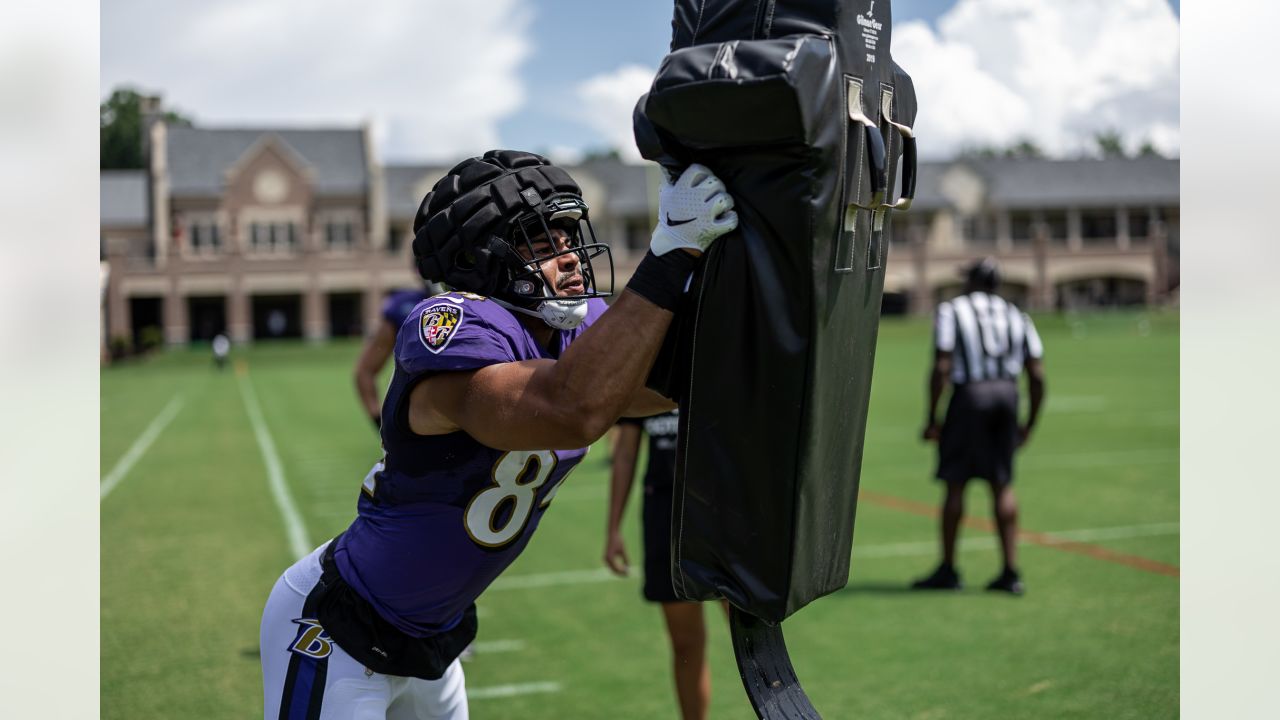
pixel 558 314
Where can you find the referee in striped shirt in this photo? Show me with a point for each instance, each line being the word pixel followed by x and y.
pixel 982 343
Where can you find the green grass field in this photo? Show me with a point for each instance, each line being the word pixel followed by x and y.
pixel 192 542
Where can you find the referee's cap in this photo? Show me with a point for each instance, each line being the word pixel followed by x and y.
pixel 983 273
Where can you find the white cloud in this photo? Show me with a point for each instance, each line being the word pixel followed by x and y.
pixel 1055 72
pixel 565 154
pixel 433 77
pixel 607 101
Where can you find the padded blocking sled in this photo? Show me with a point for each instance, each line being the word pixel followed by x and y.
pixel 802 112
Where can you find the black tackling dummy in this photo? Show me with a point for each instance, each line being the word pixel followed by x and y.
pixel 799 108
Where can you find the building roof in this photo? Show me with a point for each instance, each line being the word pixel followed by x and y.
pixel 402 184
pixel 1005 183
pixel 199 157
pixel 627 185
pixel 123 198
pixel 1034 183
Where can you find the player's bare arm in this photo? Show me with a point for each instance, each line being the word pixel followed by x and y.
pixel 534 404
pixel 537 404
pixel 937 384
pixel 373 356
pixel 1035 385
pixel 622 475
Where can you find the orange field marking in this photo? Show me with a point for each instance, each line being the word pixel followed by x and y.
pixel 1096 552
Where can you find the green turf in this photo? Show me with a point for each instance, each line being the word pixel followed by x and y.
pixel 192 542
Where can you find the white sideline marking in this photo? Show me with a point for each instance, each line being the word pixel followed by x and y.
pixel 1057 461
pixel 583 577
pixel 504 691
pixel 565 577
pixel 1107 457
pixel 1114 533
pixel 139 447
pixel 485 647
pixel 294 527
pixel 985 543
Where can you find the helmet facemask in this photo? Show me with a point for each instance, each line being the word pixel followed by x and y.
pixel 530 290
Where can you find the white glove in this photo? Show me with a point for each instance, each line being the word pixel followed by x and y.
pixel 692 212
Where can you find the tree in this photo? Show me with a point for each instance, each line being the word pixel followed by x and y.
pixel 121 130
pixel 1149 149
pixel 1022 148
pixel 1110 144
pixel 602 154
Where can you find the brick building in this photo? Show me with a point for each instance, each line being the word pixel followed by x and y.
pixel 1067 233
pixel 267 233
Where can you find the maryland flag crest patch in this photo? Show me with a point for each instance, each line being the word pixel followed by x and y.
pixel 438 324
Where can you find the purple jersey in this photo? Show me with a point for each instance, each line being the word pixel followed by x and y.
pixel 440 517
pixel 399 304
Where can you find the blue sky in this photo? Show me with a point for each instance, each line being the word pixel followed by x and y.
pixel 638 33
pixel 440 79
pixel 613 34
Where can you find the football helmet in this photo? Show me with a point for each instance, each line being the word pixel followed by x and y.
pixel 469 231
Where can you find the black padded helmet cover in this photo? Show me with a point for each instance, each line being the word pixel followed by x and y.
pixel 467 228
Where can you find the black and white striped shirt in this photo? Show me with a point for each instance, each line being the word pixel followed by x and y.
pixel 989 337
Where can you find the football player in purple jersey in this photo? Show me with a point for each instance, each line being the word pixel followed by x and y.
pixel 499 388
pixel 378 347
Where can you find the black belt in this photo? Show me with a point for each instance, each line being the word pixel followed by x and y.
pixel 359 630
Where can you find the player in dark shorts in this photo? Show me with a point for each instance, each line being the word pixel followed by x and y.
pixel 685 626
pixel 982 344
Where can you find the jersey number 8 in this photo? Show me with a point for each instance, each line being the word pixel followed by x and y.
pixel 516 479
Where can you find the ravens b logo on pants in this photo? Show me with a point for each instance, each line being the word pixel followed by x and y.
pixel 312 640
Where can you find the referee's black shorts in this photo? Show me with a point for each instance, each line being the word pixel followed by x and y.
pixel 980 433
pixel 657 544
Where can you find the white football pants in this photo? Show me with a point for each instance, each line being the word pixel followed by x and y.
pixel 306 676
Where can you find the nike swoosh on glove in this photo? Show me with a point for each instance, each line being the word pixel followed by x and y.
pixel 692 212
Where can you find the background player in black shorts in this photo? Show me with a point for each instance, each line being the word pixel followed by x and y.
pixel 685 626
pixel 982 343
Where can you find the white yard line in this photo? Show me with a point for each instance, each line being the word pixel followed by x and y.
pixel 551 579
pixel 488 647
pixel 1106 458
pixel 139 447
pixel 985 543
pixel 299 545
pixel 505 691
pixel 1124 532
pixel 1036 462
